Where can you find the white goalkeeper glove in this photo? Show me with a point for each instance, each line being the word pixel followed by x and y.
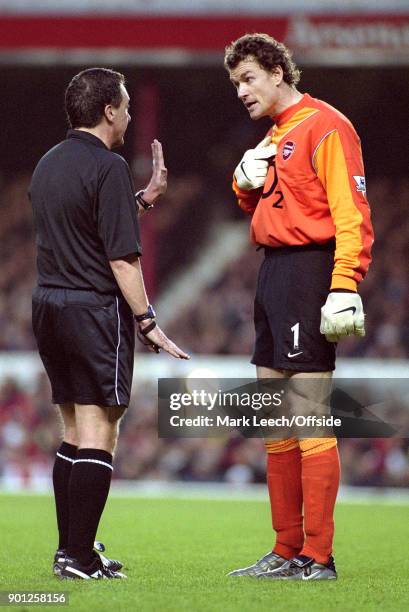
pixel 252 170
pixel 342 315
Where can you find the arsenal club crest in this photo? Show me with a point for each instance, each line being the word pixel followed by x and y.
pixel 288 149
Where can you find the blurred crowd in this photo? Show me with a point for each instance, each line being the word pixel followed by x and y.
pixel 18 273
pixel 30 432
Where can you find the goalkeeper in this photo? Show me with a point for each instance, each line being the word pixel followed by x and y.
pixel 304 187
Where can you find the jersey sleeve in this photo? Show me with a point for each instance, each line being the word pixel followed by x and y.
pixel 339 166
pixel 117 219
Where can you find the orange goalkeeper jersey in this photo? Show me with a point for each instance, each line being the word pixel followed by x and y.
pixel 315 189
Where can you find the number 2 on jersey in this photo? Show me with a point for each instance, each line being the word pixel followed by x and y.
pixel 273 190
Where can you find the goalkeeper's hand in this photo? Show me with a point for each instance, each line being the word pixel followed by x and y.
pixel 252 170
pixel 342 315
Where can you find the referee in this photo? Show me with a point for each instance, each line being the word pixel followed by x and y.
pixel 90 291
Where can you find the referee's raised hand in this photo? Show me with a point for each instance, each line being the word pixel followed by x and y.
pixel 159 180
pixel 155 339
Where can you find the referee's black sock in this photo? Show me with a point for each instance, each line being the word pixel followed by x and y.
pixel 88 491
pixel 61 477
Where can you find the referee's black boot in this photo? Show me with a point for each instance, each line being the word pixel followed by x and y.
pixel 72 569
pixel 111 564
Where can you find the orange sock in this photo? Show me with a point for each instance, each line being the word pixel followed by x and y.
pixel 320 482
pixel 285 490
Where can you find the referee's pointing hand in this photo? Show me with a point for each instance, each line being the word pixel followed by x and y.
pixel 158 340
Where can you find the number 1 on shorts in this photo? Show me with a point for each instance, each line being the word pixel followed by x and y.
pixel 296 331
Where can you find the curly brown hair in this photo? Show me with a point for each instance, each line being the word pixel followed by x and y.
pixel 267 51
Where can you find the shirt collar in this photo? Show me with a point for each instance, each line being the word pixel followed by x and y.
pixel 286 114
pixel 86 136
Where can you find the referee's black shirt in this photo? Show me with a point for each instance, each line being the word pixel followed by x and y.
pixel 84 214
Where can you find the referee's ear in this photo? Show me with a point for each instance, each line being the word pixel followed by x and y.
pixel 109 112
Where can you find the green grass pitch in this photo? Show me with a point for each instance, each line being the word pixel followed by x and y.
pixel 177 553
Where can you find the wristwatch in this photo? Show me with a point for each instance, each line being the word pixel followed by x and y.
pixel 149 314
pixel 141 200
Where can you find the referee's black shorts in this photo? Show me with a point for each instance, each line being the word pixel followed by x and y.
pixel 86 341
pixel 293 285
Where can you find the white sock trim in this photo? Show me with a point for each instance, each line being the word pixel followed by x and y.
pixel 94 461
pixel 64 457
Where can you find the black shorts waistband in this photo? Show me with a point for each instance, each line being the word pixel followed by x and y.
pixel 312 247
pixel 65 296
pixel 79 290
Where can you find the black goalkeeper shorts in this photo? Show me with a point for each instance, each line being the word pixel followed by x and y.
pixel 86 341
pixel 293 285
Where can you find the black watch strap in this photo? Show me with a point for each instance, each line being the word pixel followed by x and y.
pixel 149 314
pixel 141 200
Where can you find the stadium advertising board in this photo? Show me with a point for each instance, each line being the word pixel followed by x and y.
pixel 370 38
